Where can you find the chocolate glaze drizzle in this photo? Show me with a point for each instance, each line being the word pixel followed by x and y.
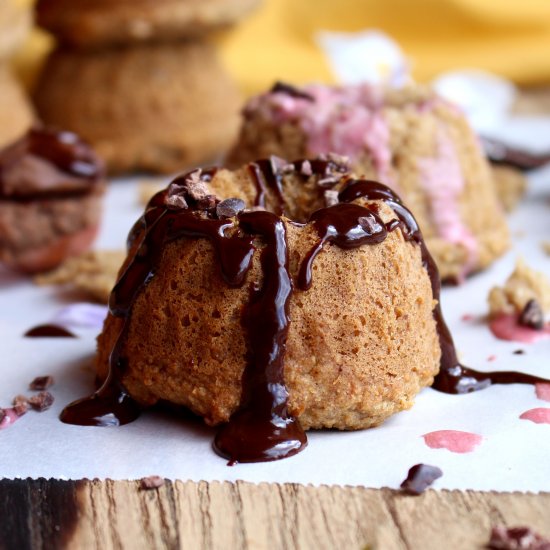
pixel 65 151
pixel 262 428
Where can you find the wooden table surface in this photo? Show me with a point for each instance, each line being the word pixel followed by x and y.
pixel 41 514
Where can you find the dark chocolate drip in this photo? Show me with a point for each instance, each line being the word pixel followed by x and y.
pixel 292 91
pixel 500 153
pixel 452 377
pixel 79 167
pixel 49 331
pixel 267 177
pixel 262 428
pixel 66 151
pixel 347 226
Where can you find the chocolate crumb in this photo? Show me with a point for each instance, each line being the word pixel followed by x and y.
pixel 340 160
pixel 20 405
pixel 208 202
pixel 369 223
pixel 328 182
pixel 331 197
pixel 41 383
pixel 287 169
pixel 196 188
pixel 279 165
pixel 532 316
pixel 305 169
pixel 190 188
pixel 151 482
pixel 519 352
pixel 516 538
pixel 2 415
pixel 419 478
pixel 41 401
pixel 176 201
pixel 229 208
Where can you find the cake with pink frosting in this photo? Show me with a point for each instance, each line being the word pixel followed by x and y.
pixel 410 139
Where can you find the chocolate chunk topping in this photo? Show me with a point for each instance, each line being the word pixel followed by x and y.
pixel 532 316
pixel 331 197
pixel 516 538
pixel 20 405
pixel 328 182
pixel 41 401
pixel 41 383
pixel 208 202
pixel 2 415
pixel 305 169
pixel 175 197
pixel 189 190
pixel 230 208
pixel 419 478
pixel 288 89
pixel 151 482
pixel 519 352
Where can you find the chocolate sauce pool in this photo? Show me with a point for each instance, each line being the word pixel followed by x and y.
pixel 49 331
pixel 262 428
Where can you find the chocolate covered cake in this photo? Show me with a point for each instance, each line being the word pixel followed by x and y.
pixel 51 188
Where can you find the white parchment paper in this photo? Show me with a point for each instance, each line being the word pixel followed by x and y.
pixel 514 453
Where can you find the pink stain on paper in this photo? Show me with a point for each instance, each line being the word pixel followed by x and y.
pixel 453 440
pixel 543 391
pixel 506 327
pixel 10 416
pixel 539 415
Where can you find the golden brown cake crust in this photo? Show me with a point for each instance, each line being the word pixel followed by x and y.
pixel 156 108
pixel 362 340
pixel 91 23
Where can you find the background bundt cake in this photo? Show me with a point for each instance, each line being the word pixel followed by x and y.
pixel 410 139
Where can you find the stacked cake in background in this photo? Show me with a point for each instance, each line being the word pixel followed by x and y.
pixel 139 79
pixel 16 114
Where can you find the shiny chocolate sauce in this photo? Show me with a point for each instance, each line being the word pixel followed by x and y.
pixel 266 177
pixel 48 163
pixel 49 331
pixel 345 225
pixel 262 428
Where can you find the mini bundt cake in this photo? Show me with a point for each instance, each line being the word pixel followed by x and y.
pixel 410 139
pixel 51 191
pixel 153 107
pixel 275 296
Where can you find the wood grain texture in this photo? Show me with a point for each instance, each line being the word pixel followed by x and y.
pixel 41 514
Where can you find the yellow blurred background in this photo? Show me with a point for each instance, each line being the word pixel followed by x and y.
pixel 508 37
